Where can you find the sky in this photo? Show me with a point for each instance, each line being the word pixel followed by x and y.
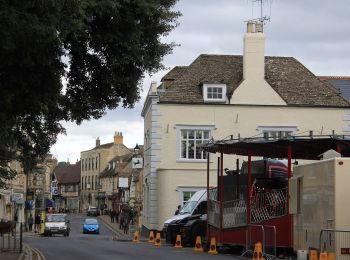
pixel 317 33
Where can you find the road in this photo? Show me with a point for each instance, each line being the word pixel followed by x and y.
pixel 102 247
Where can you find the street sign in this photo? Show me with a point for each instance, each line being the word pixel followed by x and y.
pixel 137 163
pixel 123 182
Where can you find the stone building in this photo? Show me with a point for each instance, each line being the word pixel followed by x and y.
pixel 93 162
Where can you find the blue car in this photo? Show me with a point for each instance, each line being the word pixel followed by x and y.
pixel 91 225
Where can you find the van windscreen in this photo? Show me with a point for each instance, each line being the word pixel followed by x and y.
pixel 55 218
pixel 188 208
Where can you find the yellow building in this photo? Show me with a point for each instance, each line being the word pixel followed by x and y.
pixel 217 96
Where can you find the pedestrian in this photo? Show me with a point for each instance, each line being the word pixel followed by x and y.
pixel 30 222
pixel 117 216
pixel 37 223
pixel 111 215
pixel 126 221
pixel 114 213
pixel 178 210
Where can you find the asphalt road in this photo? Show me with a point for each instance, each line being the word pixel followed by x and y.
pixel 102 247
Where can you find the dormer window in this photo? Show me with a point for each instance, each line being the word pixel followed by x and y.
pixel 214 92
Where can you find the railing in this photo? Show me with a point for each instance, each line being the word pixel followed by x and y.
pixel 264 234
pixel 234 213
pixel 11 239
pixel 268 205
pixel 264 206
pixel 335 241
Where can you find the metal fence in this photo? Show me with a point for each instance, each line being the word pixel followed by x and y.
pixel 336 241
pixel 11 240
pixel 264 234
pixel 268 205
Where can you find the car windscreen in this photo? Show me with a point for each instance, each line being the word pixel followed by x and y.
pixel 188 208
pixel 91 221
pixel 55 218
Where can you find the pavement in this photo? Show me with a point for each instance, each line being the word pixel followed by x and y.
pixel 119 233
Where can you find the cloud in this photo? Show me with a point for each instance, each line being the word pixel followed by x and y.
pixel 314 32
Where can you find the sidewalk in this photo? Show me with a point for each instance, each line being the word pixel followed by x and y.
pixel 119 233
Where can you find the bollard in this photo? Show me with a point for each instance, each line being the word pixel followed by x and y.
pixel 151 237
pixel 136 237
pixel 212 249
pixel 157 242
pixel 178 241
pixel 258 255
pixel 198 246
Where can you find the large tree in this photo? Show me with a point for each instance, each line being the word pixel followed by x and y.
pixel 99 48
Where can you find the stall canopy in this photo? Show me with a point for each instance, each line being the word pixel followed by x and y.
pixel 49 203
pixel 301 147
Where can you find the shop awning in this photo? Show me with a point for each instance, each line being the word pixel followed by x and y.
pixel 49 203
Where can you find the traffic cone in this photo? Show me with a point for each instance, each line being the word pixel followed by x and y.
pixel 331 256
pixel 212 249
pixel 198 246
pixel 258 255
pixel 323 256
pixel 313 255
pixel 136 237
pixel 151 237
pixel 157 242
pixel 178 241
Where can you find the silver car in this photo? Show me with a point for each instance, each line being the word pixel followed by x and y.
pixel 56 224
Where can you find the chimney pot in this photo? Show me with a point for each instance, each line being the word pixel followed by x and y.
pixel 250 27
pixel 258 27
pixel 98 143
pixel 118 138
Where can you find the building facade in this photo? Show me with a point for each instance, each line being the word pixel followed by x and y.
pixel 219 96
pixel 67 180
pixel 93 162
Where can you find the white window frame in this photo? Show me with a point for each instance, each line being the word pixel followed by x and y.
pixel 182 189
pixel 179 128
pixel 217 86
pixel 264 129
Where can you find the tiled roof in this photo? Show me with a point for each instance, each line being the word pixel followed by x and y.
pixel 342 83
pixel 289 78
pixel 175 73
pixel 120 162
pixel 67 173
pixel 123 165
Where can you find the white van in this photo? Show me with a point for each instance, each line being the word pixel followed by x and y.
pixel 196 205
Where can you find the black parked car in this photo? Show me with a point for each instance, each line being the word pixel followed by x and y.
pixel 93 211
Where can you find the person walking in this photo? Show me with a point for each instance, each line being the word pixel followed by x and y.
pixel 37 223
pixel 111 214
pixel 30 222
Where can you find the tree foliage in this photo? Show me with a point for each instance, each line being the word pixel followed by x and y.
pixel 100 48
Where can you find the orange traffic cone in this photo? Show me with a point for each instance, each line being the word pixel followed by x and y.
pixel 212 249
pixel 323 256
pixel 151 237
pixel 331 256
pixel 178 242
pixel 313 255
pixel 136 237
pixel 157 242
pixel 198 246
pixel 258 255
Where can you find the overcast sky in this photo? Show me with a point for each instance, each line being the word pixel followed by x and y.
pixel 317 33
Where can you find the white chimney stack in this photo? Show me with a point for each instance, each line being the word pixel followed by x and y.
pixel 254 52
pixel 254 90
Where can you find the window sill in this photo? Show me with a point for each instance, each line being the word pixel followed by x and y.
pixel 191 160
